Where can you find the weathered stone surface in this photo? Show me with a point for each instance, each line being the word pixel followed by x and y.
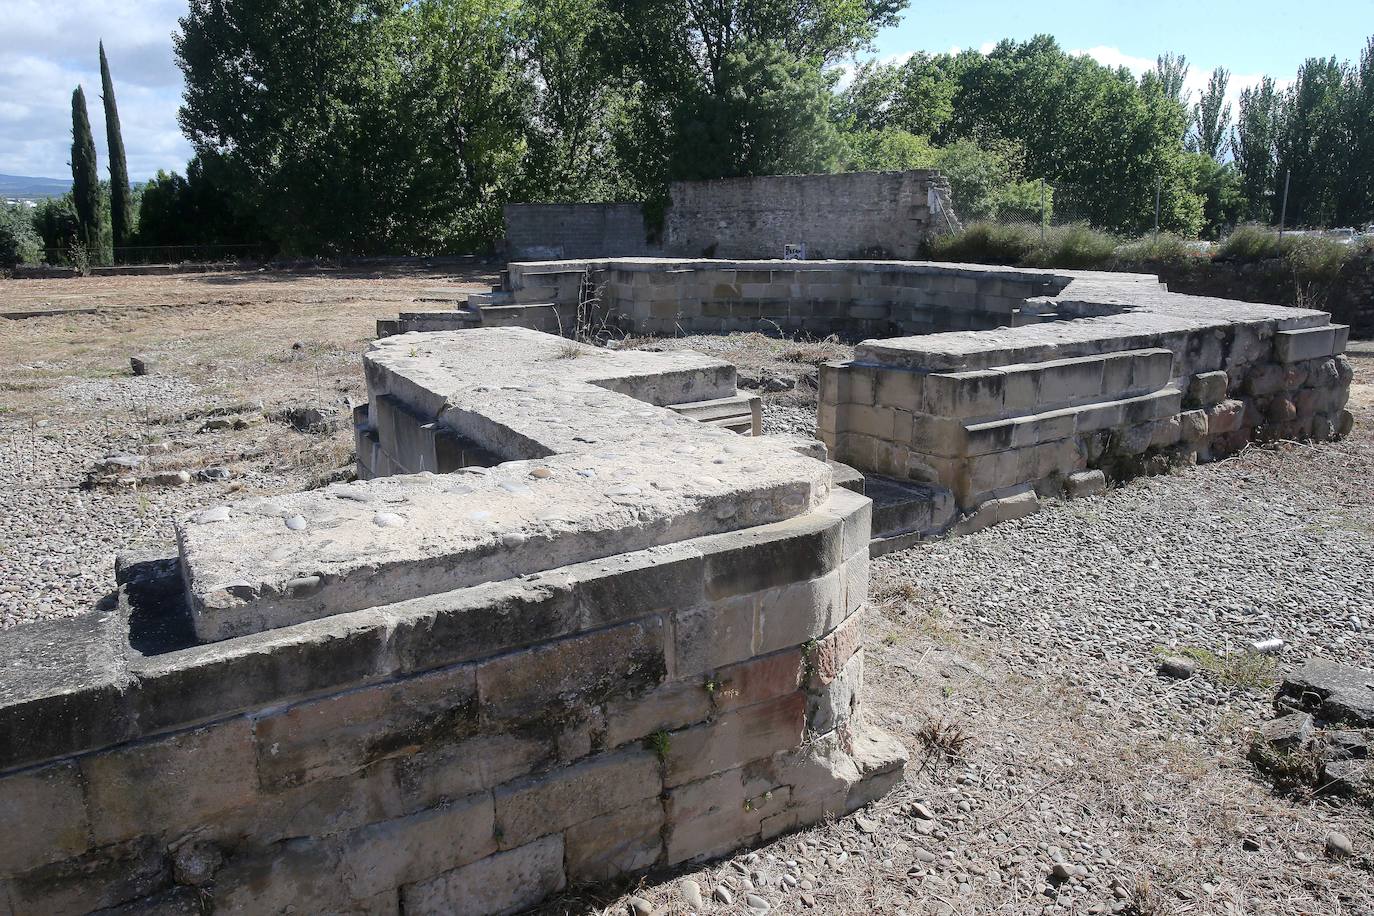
pixel 198 775
pixel 504 883
pixel 340 734
pixel 1287 732
pixel 1332 691
pixel 103 877
pixel 547 803
pixel 735 738
pixel 665 708
pixel 619 843
pixel 1085 483
pixel 538 682
pixel 385 855
pixel 757 680
pixel 51 799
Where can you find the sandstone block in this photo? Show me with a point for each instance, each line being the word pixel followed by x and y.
pixel 448 771
pixel 170 785
pixel 101 878
pixel 714 635
pixel 615 844
pixel 1224 417
pixel 537 683
pixel 754 559
pixel 45 816
pixel 791 614
pixel 504 883
pixel 336 735
pixel 1085 483
pixel 757 680
pixel 1193 425
pixel 539 805
pixel 666 708
pixel 736 738
pixel 1208 388
pixel 383 856
pixel 834 704
pixel 719 813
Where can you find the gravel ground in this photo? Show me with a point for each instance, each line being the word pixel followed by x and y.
pixel 1052 768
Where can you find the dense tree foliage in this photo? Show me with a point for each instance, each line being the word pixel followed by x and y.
pixel 403 126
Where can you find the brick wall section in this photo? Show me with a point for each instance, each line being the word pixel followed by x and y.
pixel 469 752
pixel 848 215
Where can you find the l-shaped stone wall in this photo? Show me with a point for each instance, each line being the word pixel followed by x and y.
pixel 995 385
pixel 635 645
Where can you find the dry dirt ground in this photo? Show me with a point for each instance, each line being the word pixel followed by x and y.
pixel 1018 664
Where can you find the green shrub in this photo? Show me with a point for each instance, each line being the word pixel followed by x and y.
pixel 1166 247
pixel 1248 243
pixel 1311 258
pixel 1071 247
pixel 987 243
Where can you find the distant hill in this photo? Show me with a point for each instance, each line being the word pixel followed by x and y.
pixel 26 188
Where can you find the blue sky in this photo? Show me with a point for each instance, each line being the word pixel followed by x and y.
pixel 47 48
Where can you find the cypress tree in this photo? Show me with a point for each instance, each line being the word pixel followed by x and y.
pixel 85 180
pixel 121 204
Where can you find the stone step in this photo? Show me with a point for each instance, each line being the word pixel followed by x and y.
pixel 1018 432
pixel 538 316
pixel 904 507
pixel 481 300
pixel 737 412
pixel 1310 343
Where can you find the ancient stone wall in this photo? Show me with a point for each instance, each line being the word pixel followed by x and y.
pixel 846 215
pixel 554 231
pixel 634 642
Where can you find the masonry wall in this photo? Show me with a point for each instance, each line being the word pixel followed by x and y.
pixel 854 300
pixel 553 231
pixel 998 436
pixel 470 752
pixel 846 215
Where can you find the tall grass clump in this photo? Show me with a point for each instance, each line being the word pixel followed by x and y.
pixel 1077 246
pixel 1163 248
pixel 987 243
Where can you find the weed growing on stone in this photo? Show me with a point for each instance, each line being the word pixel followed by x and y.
pixel 1246 670
pixel 660 743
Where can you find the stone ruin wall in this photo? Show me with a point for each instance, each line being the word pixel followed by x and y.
pixel 568 679
pixel 846 215
pixel 996 385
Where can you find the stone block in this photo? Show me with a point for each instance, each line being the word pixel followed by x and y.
pixel 1193 425
pixel 170 785
pixel 714 635
pixel 1208 388
pixel 45 817
pixel 544 681
pixel 385 855
pixel 337 735
pixel 448 771
pixel 995 511
pixel 1309 343
pixel 794 613
pixel 619 843
pixel 800 548
pixel 735 738
pixel 96 880
pixel 548 803
pixel 1224 417
pixel 757 680
pixel 1085 483
pixel 834 704
pixel 639 584
pixel 666 708
pixel 478 622
pixel 719 813
pixel 504 883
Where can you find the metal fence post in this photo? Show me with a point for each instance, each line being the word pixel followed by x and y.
pixel 1158 184
pixel 1044 217
pixel 1283 209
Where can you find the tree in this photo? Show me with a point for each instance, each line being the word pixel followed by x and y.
pixel 85 178
pixel 121 200
pixel 771 117
pixel 1313 142
pixel 1171 70
pixel 1254 144
pixel 1211 117
pixel 19 243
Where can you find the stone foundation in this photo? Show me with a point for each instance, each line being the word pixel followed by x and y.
pixel 993 386
pixel 631 642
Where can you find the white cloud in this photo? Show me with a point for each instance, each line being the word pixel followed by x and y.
pixel 46 49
